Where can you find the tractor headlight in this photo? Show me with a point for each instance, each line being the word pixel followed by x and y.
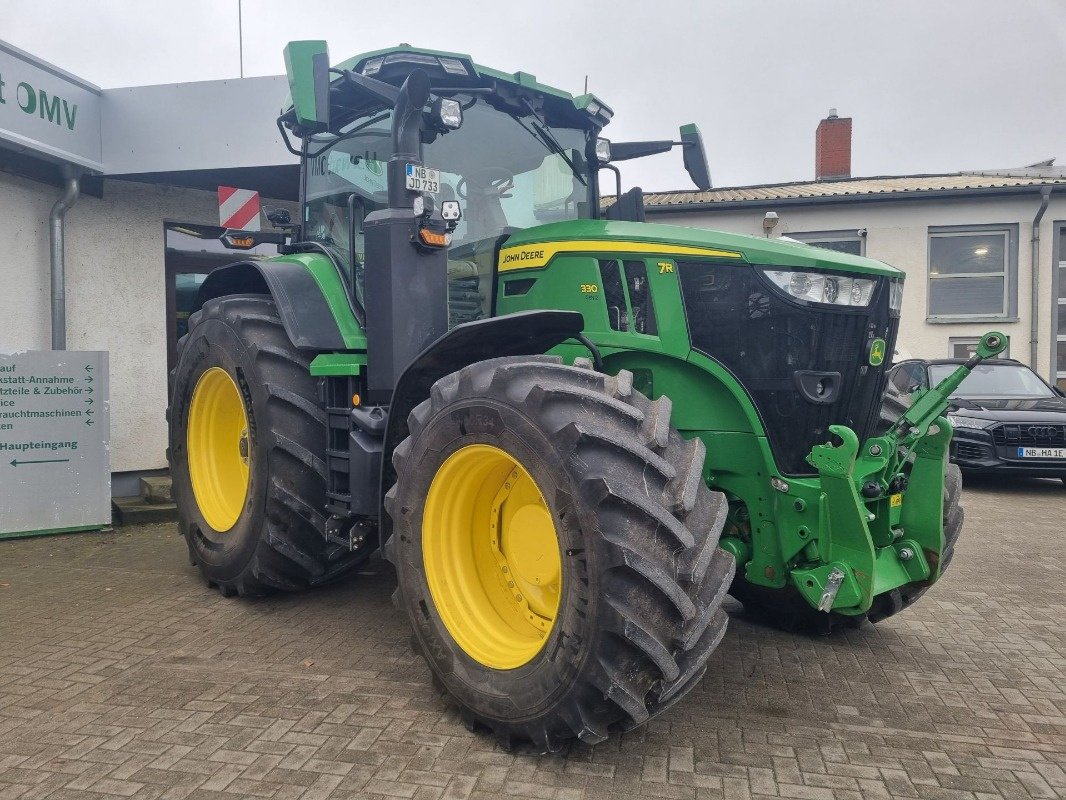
pixel 818 287
pixel 970 422
pixel 603 150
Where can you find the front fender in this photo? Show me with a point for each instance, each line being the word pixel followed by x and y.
pixel 522 333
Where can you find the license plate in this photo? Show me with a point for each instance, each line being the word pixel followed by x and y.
pixel 1042 452
pixel 422 179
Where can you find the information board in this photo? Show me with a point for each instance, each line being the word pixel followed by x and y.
pixel 55 465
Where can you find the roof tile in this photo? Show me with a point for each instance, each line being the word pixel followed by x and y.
pixel 892 184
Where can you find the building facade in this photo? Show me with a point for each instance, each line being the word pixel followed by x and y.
pixel 141 228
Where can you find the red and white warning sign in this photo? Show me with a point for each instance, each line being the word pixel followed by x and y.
pixel 238 209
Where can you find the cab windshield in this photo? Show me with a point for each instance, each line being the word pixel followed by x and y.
pixel 507 172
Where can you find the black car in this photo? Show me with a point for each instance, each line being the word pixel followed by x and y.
pixel 1007 419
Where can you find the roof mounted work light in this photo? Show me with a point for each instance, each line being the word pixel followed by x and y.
pixel 603 150
pixel 447 113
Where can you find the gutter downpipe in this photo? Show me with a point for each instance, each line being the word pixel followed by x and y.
pixel 1034 311
pixel 72 188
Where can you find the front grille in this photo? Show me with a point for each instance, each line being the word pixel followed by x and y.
pixel 764 339
pixel 970 451
pixel 1030 435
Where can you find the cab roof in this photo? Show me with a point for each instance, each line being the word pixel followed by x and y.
pixel 456 71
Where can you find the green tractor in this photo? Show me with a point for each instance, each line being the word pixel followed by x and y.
pixel 571 432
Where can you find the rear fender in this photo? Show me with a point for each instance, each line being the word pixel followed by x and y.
pixel 312 299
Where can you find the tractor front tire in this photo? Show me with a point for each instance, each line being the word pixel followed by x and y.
pixel 891 603
pixel 247 443
pixel 556 550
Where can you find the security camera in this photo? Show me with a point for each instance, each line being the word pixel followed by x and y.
pixel 861 232
pixel 769 221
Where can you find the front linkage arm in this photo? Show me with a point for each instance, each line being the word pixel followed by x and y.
pixel 933 402
pixel 882 525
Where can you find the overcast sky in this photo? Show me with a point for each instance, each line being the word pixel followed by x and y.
pixel 933 85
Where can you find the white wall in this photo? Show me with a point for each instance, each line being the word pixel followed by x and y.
pixel 116 294
pixel 897 233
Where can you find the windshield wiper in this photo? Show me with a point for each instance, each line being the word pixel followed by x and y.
pixel 544 135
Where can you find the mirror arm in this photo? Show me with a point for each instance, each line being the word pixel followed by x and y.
pixel 385 92
pixel 617 177
pixel 624 151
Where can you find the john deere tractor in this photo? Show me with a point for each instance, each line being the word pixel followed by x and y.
pixel 571 432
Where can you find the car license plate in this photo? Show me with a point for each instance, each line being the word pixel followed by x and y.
pixel 422 179
pixel 1042 452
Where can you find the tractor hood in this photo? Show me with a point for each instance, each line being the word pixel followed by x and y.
pixel 752 249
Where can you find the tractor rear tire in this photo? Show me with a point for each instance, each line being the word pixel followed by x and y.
pixel 255 520
pixel 611 539
pixel 788 610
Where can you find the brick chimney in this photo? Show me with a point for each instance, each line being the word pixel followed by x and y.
pixel 832 147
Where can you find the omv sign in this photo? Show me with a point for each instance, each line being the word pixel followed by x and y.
pixel 48 111
pixel 30 100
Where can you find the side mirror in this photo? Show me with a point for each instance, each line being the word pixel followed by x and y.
pixel 695 156
pixel 307 67
pixel 279 217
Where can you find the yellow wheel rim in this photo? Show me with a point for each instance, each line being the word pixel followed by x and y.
pixel 492 556
pixel 219 449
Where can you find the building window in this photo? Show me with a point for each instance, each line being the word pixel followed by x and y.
pixel 973 273
pixel 851 241
pixel 966 346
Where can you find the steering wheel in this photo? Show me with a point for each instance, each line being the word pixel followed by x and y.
pixel 497 180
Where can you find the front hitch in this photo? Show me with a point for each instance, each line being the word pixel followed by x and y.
pixel 882 502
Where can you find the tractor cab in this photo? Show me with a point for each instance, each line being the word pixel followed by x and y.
pixel 513 153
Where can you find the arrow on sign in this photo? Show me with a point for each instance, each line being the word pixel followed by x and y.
pixel 15 462
pixel 88 368
pixel 89 411
pixel 89 400
pixel 88 390
pixel 89 421
pixel 89 378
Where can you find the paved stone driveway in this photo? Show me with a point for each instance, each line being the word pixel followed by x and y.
pixel 122 675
